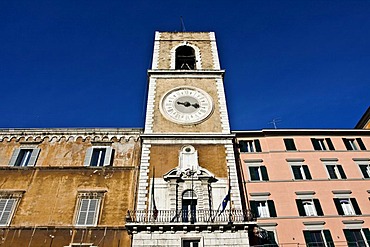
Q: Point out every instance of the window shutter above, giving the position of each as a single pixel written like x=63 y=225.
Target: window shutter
x=257 y=145
x=272 y=209
x=92 y=212
x=253 y=171
x=355 y=206
x=318 y=208
x=315 y=144
x=6 y=209
x=338 y=206
x=307 y=172
x=14 y=157
x=88 y=155
x=300 y=207
x=82 y=214
x=243 y=146
x=361 y=144
x=347 y=144
x=33 y=158
x=330 y=144
x=328 y=238
x=307 y=237
x=364 y=171
x=341 y=172
x=297 y=172
x=265 y=176
x=331 y=171
x=367 y=235
x=108 y=156
x=271 y=238
x=289 y=144
x=254 y=208
x=351 y=242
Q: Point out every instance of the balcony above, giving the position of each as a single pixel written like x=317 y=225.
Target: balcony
x=152 y=217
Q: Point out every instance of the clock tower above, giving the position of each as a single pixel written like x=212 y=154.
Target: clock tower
x=188 y=191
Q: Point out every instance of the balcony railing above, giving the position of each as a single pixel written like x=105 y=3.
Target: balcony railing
x=188 y=216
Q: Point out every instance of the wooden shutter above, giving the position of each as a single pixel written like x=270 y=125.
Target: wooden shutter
x=351 y=242
x=315 y=144
x=254 y=208
x=88 y=155
x=364 y=171
x=271 y=239
x=347 y=144
x=243 y=146
x=318 y=208
x=355 y=206
x=338 y=206
x=88 y=212
x=367 y=235
x=300 y=207
x=328 y=239
x=331 y=171
x=272 y=208
x=289 y=144
x=307 y=172
x=341 y=172
x=14 y=157
x=108 y=156
x=330 y=144
x=361 y=144
x=33 y=158
x=257 y=145
x=307 y=237
x=6 y=210
x=265 y=176
x=297 y=172
x=253 y=171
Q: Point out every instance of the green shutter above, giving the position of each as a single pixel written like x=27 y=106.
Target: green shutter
x=254 y=208
x=297 y=172
x=253 y=171
x=307 y=172
x=341 y=172
x=315 y=144
x=361 y=144
x=242 y=146
x=347 y=144
x=257 y=145
x=265 y=176
x=318 y=208
x=307 y=237
x=289 y=144
x=338 y=206
x=355 y=206
x=328 y=238
x=271 y=239
x=331 y=171
x=300 y=207
x=272 y=209
x=330 y=144
x=349 y=237
x=364 y=171
x=367 y=235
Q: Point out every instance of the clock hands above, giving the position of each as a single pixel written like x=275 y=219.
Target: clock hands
x=187 y=104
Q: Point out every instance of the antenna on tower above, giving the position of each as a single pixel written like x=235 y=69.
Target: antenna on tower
x=274 y=122
x=182 y=25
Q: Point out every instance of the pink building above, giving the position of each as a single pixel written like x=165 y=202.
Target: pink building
x=307 y=187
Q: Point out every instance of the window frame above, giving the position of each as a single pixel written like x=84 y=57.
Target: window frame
x=365 y=234
x=199 y=239
x=269 y=207
x=289 y=144
x=261 y=171
x=325 y=235
x=364 y=167
x=108 y=156
x=251 y=146
x=88 y=196
x=354 y=144
x=337 y=172
x=18 y=153
x=315 y=204
x=15 y=196
x=303 y=169
x=344 y=210
x=322 y=144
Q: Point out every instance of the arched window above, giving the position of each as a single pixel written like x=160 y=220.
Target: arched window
x=185 y=58
x=189 y=206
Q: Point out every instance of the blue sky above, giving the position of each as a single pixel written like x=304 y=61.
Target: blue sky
x=83 y=63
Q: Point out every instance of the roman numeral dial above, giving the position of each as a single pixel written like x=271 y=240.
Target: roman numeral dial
x=186 y=105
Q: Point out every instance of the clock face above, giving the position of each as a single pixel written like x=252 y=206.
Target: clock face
x=186 y=105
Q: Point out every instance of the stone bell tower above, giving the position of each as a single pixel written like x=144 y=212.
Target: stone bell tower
x=188 y=192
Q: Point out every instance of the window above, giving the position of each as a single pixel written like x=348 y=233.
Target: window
x=309 y=207
x=191 y=243
x=189 y=206
x=250 y=146
x=354 y=144
x=23 y=157
x=8 y=203
x=318 y=238
x=98 y=156
x=322 y=144
x=263 y=209
x=258 y=236
x=357 y=237
x=347 y=206
x=365 y=169
x=81 y=245
x=289 y=144
x=258 y=173
x=301 y=172
x=88 y=209
x=335 y=171
x=185 y=58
